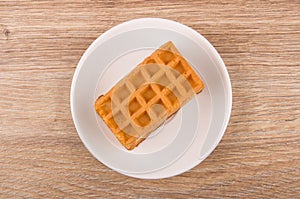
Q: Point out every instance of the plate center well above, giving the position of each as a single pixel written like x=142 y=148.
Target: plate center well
x=115 y=71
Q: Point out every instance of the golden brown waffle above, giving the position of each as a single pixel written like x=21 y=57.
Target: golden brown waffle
x=148 y=95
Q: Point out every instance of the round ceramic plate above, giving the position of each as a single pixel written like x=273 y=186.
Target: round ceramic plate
x=185 y=139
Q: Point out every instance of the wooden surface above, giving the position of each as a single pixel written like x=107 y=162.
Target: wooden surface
x=41 y=155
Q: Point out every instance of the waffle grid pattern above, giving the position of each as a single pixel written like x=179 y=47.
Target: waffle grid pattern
x=131 y=105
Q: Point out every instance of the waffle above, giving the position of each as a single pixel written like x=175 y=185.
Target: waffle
x=152 y=92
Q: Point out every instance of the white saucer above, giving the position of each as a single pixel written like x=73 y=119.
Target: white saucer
x=185 y=140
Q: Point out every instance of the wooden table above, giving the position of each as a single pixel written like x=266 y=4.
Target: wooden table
x=41 y=154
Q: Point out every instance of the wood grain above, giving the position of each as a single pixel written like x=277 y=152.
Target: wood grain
x=41 y=155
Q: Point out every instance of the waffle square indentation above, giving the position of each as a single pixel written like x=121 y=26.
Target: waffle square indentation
x=148 y=93
x=143 y=119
